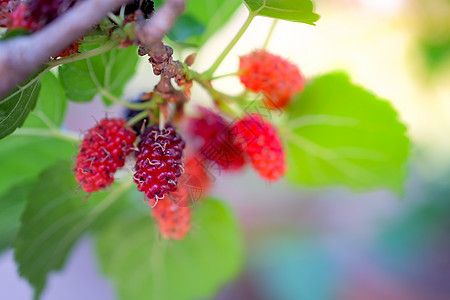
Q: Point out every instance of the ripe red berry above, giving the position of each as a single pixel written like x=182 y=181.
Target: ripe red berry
x=174 y=221
x=278 y=78
x=6 y=8
x=193 y=184
x=20 y=18
x=159 y=161
x=45 y=11
x=69 y=50
x=260 y=141
x=214 y=140
x=173 y=213
x=102 y=152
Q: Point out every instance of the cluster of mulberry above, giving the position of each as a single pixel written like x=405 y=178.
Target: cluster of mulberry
x=172 y=183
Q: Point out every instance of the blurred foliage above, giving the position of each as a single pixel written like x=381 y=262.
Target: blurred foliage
x=433 y=26
x=342 y=134
x=143 y=266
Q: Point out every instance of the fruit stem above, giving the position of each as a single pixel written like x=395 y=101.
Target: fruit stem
x=143 y=114
x=99 y=40
x=226 y=75
x=210 y=72
x=115 y=19
x=84 y=55
x=45 y=133
x=161 y=120
x=270 y=34
x=134 y=106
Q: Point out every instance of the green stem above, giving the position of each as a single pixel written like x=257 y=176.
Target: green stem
x=225 y=75
x=210 y=72
x=143 y=114
x=270 y=34
x=222 y=100
x=100 y=50
x=45 y=133
x=134 y=106
x=94 y=41
x=115 y=19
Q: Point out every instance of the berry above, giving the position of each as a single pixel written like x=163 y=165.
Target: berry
x=173 y=221
x=102 y=152
x=71 y=49
x=46 y=11
x=260 y=141
x=6 y=8
x=159 y=161
x=173 y=213
x=278 y=78
x=20 y=19
x=193 y=184
x=215 y=141
x=146 y=7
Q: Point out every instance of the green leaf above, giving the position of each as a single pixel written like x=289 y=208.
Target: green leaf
x=37 y=144
x=12 y=204
x=15 y=107
x=213 y=14
x=143 y=266
x=186 y=30
x=109 y=71
x=201 y=20
x=51 y=105
x=289 y=10
x=340 y=133
x=55 y=217
x=12 y=33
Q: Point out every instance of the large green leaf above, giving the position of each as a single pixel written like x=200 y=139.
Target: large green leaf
x=15 y=107
x=12 y=204
x=290 y=10
x=51 y=105
x=213 y=14
x=37 y=144
x=109 y=71
x=201 y=20
x=55 y=217
x=143 y=266
x=339 y=133
x=187 y=30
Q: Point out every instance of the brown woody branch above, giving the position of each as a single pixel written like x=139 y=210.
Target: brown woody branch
x=20 y=57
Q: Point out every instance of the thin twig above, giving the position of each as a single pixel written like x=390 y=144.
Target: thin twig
x=152 y=32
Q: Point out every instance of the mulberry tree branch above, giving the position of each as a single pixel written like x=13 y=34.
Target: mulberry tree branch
x=20 y=57
x=151 y=32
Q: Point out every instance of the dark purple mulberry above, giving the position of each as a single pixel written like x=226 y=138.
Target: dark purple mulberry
x=159 y=161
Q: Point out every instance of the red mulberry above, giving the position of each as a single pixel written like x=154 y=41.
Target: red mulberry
x=260 y=141
x=102 y=152
x=20 y=18
x=173 y=221
x=276 y=77
x=215 y=141
x=159 y=161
